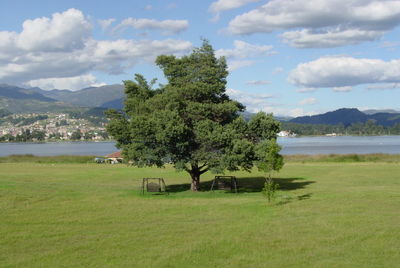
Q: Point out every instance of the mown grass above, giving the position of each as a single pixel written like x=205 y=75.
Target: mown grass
x=30 y=158
x=93 y=215
x=348 y=158
x=388 y=158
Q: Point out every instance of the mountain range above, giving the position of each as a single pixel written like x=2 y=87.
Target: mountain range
x=350 y=116
x=88 y=97
x=22 y=100
x=26 y=100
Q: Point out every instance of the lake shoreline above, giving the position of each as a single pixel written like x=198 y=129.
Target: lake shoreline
x=306 y=145
x=90 y=159
x=45 y=142
x=106 y=141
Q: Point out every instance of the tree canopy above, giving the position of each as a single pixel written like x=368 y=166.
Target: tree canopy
x=190 y=122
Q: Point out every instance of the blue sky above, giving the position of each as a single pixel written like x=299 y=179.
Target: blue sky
x=289 y=57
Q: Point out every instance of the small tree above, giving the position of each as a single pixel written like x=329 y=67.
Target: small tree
x=269 y=160
x=77 y=135
x=88 y=135
x=189 y=122
x=38 y=135
x=269 y=189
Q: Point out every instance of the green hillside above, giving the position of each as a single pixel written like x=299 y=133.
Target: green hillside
x=88 y=97
x=35 y=106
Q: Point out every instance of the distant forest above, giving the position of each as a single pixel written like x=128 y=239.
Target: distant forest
x=362 y=129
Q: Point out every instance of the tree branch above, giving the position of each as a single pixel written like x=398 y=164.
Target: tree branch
x=204 y=165
x=203 y=171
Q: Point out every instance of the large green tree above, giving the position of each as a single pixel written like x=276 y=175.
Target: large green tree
x=189 y=122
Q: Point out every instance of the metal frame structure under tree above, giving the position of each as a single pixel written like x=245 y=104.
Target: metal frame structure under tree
x=154 y=185
x=227 y=183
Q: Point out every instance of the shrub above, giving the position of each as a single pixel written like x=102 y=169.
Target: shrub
x=269 y=190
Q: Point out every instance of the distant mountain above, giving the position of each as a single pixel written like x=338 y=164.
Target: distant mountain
x=88 y=97
x=248 y=115
x=96 y=111
x=18 y=93
x=373 y=111
x=114 y=104
x=283 y=118
x=4 y=112
x=20 y=100
x=385 y=119
x=347 y=117
x=35 y=106
x=342 y=116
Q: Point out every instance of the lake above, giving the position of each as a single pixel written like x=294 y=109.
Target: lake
x=341 y=145
x=58 y=148
x=298 y=145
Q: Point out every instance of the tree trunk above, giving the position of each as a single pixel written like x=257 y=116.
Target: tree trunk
x=195 y=185
x=195 y=173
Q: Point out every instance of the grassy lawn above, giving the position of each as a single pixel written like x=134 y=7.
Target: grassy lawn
x=327 y=214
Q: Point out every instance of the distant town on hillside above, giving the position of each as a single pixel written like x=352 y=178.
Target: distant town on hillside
x=51 y=127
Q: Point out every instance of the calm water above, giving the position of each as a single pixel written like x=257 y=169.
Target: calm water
x=341 y=145
x=302 y=145
x=58 y=148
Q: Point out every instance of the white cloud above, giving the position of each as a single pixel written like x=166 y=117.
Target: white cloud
x=344 y=72
x=63 y=47
x=223 y=5
x=105 y=24
x=115 y=56
x=172 y=6
x=384 y=86
x=258 y=82
x=278 y=70
x=8 y=46
x=322 y=23
x=308 y=101
x=253 y=102
x=297 y=112
x=389 y=44
x=237 y=64
x=72 y=83
x=330 y=38
x=262 y=102
x=112 y=57
x=167 y=26
x=306 y=90
x=243 y=52
x=148 y=7
x=342 y=89
x=287 y=111
x=63 y=32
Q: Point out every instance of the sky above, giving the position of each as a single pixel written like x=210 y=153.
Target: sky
x=288 y=57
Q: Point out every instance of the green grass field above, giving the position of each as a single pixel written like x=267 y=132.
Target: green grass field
x=326 y=214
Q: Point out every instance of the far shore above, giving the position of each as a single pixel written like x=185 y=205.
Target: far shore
x=108 y=141
x=339 y=158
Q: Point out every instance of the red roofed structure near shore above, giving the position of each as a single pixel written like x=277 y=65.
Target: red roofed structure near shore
x=115 y=155
x=114 y=158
